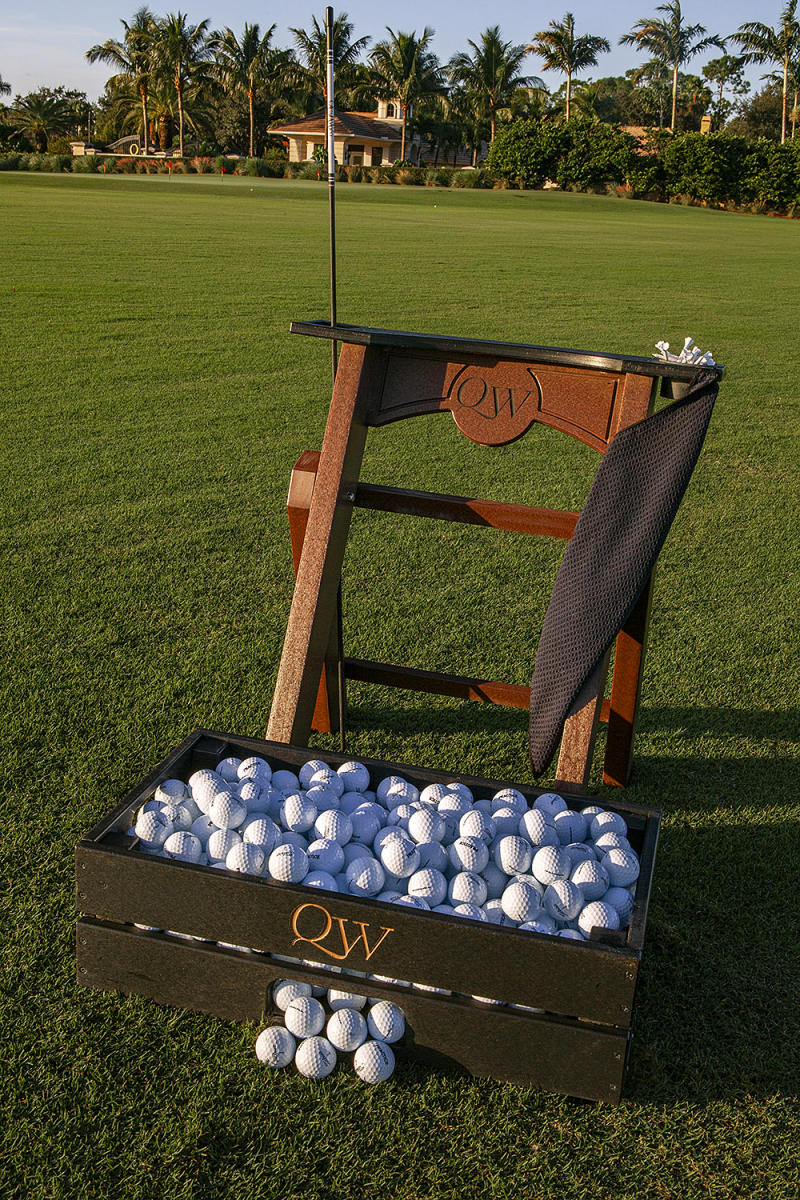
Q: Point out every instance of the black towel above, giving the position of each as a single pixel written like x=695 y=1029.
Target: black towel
x=628 y=513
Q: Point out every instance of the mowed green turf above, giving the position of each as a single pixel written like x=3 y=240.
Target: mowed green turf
x=153 y=405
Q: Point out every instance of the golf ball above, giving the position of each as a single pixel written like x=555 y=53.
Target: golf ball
x=374 y=1062
x=346 y=1029
x=304 y=1016
x=315 y=1058
x=275 y=1046
x=386 y=1021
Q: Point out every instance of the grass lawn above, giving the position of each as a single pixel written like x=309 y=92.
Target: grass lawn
x=153 y=406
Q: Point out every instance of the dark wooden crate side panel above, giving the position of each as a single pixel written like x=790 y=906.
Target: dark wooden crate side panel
x=561 y=1056
x=590 y=981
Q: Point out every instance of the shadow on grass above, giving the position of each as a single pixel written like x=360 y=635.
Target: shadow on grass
x=717 y=1012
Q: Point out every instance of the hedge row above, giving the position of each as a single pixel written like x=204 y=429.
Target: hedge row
x=712 y=169
x=700 y=168
x=396 y=173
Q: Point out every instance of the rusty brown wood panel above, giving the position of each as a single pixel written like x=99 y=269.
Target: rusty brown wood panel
x=358 y=379
x=626 y=689
x=462 y=687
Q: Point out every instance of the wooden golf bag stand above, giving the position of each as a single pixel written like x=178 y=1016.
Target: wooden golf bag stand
x=494 y=391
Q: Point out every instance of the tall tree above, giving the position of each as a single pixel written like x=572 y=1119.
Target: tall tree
x=5 y=88
x=408 y=71
x=670 y=42
x=491 y=73
x=726 y=72
x=133 y=57
x=244 y=65
x=761 y=44
x=40 y=115
x=312 y=48
x=182 y=52
x=563 y=51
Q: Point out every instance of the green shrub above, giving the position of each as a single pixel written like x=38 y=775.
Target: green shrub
x=224 y=165
x=646 y=176
x=88 y=164
x=125 y=166
x=706 y=167
x=471 y=177
x=409 y=176
x=311 y=170
x=355 y=174
x=591 y=155
x=49 y=162
x=383 y=174
x=13 y=162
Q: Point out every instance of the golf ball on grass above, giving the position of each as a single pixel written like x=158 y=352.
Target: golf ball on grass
x=315 y=1058
x=275 y=1047
x=386 y=1022
x=374 y=1062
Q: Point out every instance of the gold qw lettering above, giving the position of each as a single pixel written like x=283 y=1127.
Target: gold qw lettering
x=312 y=923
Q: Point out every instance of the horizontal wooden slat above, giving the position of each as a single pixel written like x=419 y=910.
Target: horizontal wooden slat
x=461 y=687
x=558 y=1055
x=515 y=518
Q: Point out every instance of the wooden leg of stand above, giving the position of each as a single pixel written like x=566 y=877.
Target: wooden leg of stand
x=301 y=489
x=625 y=690
x=577 y=742
x=359 y=380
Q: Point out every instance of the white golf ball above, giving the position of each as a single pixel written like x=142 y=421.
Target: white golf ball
x=399 y=856
x=365 y=876
x=496 y=881
x=551 y=863
x=509 y=798
x=538 y=828
x=541 y=924
x=220 y=844
x=432 y=854
x=251 y=793
x=261 y=831
x=308 y=769
x=386 y=1021
x=472 y=912
x=428 y=884
x=284 y=991
x=550 y=803
x=304 y=1016
x=365 y=825
x=597 y=915
x=203 y=828
x=493 y=911
x=521 y=902
x=275 y=1047
x=468 y=854
x=326 y=777
x=247 y=859
x=467 y=888
x=622 y=867
x=338 y=999
x=315 y=1058
x=476 y=824
x=298 y=813
x=285 y=781
x=346 y=1029
x=184 y=847
x=433 y=793
x=620 y=899
x=226 y=810
x=374 y=1062
x=610 y=841
x=254 y=768
x=325 y=855
x=152 y=828
x=570 y=826
x=606 y=822
x=321 y=879
x=171 y=791
x=228 y=768
x=512 y=854
x=592 y=878
x=288 y=863
x=334 y=825
x=426 y=825
x=324 y=797
x=563 y=900
x=506 y=821
x=412 y=902
x=461 y=790
x=354 y=776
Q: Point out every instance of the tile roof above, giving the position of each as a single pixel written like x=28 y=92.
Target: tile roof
x=352 y=124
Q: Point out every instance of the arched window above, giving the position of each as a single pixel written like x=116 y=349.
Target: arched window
x=390 y=111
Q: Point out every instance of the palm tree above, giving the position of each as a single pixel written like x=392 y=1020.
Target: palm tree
x=40 y=116
x=491 y=73
x=563 y=51
x=762 y=44
x=5 y=88
x=313 y=48
x=133 y=56
x=408 y=71
x=182 y=52
x=243 y=65
x=670 y=42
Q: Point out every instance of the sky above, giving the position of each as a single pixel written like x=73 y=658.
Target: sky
x=44 y=43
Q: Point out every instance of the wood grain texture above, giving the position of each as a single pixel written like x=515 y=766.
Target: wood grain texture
x=462 y=687
x=552 y=1054
x=626 y=687
x=358 y=379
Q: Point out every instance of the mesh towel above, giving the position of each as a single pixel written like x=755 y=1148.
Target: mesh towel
x=628 y=513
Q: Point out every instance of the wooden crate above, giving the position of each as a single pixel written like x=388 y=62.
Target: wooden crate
x=577 y=1045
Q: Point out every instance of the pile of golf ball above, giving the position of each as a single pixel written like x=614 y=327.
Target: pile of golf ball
x=311 y=1037
x=546 y=869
